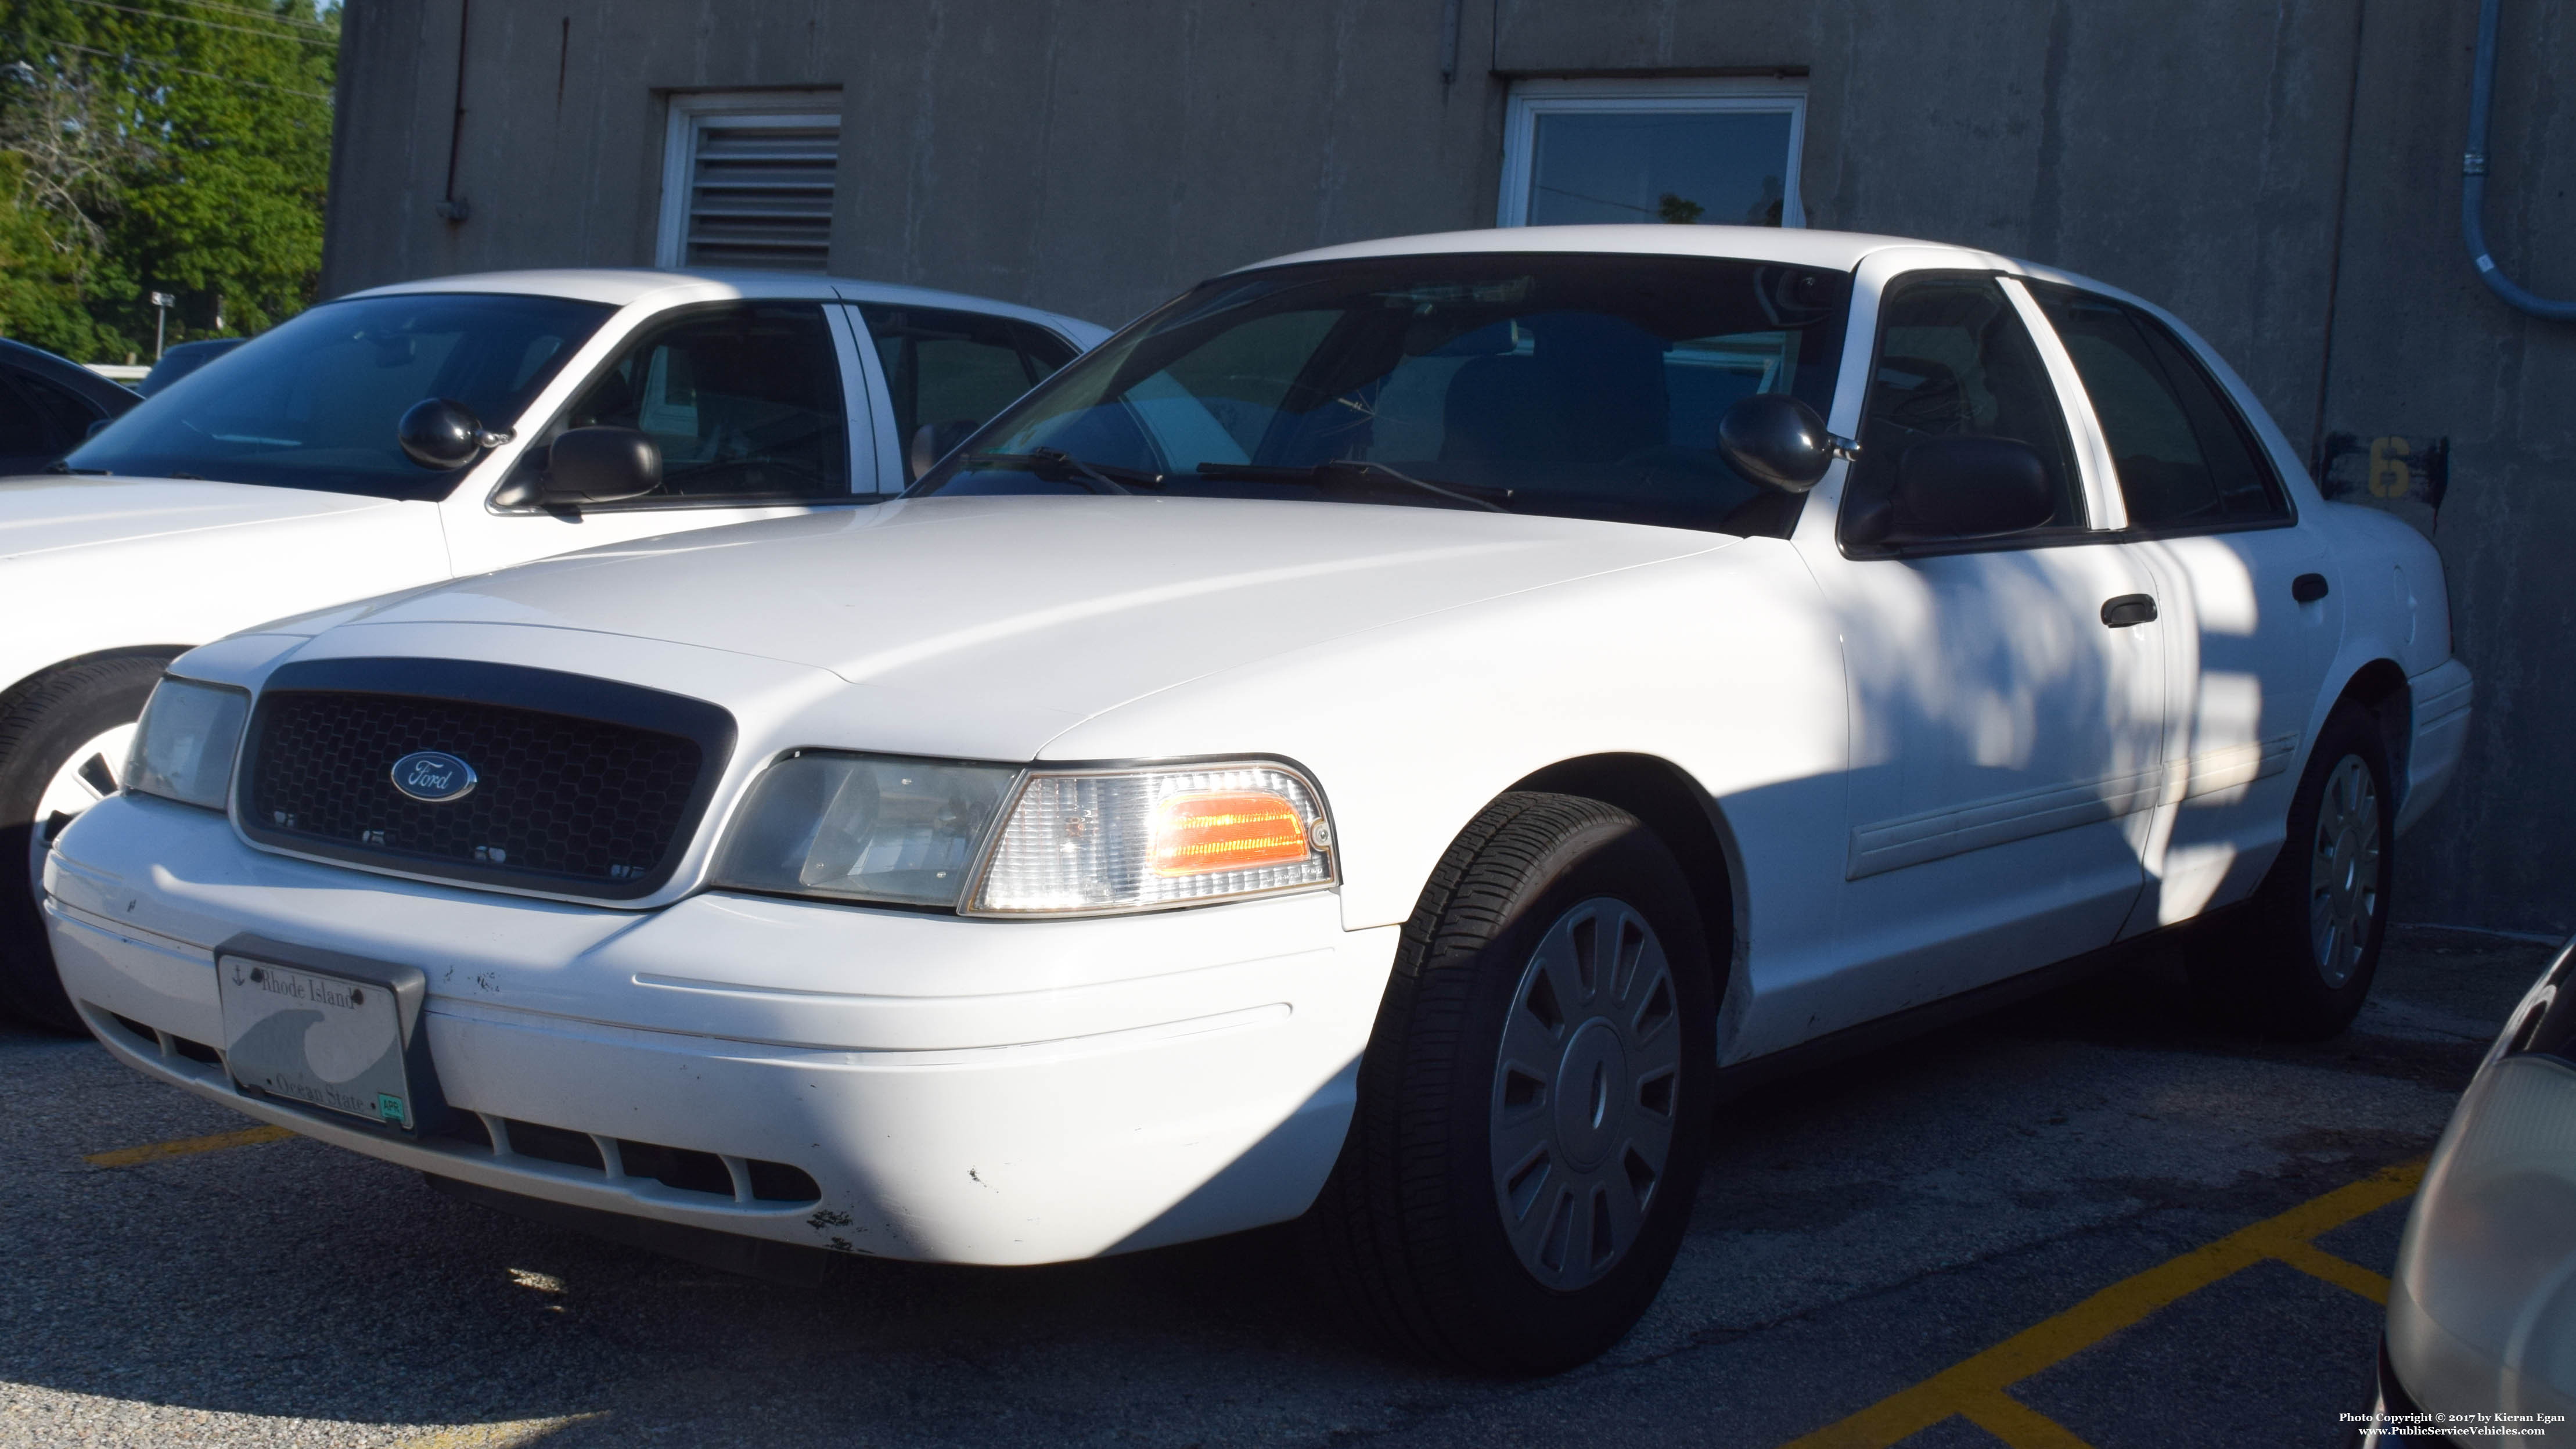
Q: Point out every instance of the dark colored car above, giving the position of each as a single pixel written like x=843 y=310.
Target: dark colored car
x=48 y=405
x=183 y=359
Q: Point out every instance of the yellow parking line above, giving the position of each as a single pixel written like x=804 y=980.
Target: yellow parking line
x=2017 y=1424
x=507 y=1434
x=154 y=1152
x=2317 y=1263
x=1974 y=1387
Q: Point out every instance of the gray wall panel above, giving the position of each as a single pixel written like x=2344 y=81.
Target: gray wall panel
x=1096 y=155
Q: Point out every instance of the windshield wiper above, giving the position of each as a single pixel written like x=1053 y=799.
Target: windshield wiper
x=1058 y=466
x=1354 y=467
x=59 y=466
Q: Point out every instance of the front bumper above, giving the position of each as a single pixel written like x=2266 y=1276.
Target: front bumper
x=963 y=1091
x=2395 y=1419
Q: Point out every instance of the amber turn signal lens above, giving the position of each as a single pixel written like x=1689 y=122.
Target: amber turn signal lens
x=1226 y=830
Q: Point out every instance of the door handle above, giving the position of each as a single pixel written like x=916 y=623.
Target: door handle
x=2128 y=609
x=2308 y=588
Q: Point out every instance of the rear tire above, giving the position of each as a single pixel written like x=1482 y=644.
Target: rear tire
x=1534 y=1103
x=61 y=739
x=2297 y=961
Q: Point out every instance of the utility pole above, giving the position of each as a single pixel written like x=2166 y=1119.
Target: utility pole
x=161 y=302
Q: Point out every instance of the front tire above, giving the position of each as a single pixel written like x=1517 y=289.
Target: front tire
x=62 y=749
x=2297 y=963
x=1534 y=1104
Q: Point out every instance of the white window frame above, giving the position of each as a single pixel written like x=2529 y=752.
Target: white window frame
x=1531 y=99
x=680 y=147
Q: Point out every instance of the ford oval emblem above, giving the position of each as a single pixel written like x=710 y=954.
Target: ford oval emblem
x=433 y=777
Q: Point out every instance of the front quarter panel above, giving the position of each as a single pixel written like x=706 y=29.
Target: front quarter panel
x=1724 y=664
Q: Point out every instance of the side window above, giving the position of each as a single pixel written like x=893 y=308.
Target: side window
x=67 y=415
x=744 y=402
x=22 y=428
x=952 y=371
x=1954 y=360
x=2186 y=459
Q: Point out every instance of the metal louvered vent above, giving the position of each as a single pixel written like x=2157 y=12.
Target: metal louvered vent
x=760 y=191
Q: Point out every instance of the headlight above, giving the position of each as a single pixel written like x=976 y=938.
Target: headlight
x=865 y=828
x=184 y=748
x=1120 y=840
x=1075 y=842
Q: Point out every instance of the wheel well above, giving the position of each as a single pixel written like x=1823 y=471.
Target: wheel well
x=2381 y=688
x=1673 y=806
x=10 y=696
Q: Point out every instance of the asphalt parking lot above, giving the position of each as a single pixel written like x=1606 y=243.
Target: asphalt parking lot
x=2088 y=1220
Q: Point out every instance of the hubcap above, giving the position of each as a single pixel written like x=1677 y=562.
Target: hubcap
x=1584 y=1093
x=2343 y=871
x=90 y=775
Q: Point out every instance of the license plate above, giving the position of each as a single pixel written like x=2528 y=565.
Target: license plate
x=317 y=1038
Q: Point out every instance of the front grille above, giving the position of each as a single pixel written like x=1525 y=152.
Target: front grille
x=568 y=795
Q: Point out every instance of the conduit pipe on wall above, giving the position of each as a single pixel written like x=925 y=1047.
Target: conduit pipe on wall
x=2473 y=181
x=451 y=207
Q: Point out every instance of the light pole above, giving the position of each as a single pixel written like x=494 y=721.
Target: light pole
x=161 y=302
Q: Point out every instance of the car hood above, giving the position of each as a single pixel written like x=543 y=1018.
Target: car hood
x=1069 y=605
x=52 y=512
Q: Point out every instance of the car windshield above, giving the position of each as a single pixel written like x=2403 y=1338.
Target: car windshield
x=1582 y=386
x=313 y=402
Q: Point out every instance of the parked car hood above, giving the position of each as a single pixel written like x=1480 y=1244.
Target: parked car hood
x=1068 y=605
x=54 y=512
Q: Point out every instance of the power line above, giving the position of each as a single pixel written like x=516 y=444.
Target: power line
x=260 y=14
x=207 y=24
x=48 y=40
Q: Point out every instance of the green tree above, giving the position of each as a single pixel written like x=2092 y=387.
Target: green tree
x=177 y=146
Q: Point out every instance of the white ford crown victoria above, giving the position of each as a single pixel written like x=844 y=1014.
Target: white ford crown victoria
x=1373 y=740
x=301 y=470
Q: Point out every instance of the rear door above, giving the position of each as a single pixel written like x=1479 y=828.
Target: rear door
x=944 y=372
x=2252 y=634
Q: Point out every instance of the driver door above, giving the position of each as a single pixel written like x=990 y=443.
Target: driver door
x=2005 y=732
x=760 y=409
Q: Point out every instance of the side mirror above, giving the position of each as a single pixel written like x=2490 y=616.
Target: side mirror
x=1778 y=442
x=601 y=465
x=1955 y=489
x=440 y=434
x=934 y=441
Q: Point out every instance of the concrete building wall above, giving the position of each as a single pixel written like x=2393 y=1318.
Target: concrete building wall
x=2285 y=176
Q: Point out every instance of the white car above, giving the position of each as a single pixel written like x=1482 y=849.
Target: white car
x=274 y=481
x=2481 y=1333
x=1376 y=738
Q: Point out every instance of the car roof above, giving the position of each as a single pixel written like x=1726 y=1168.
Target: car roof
x=625 y=287
x=1793 y=246
x=105 y=392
